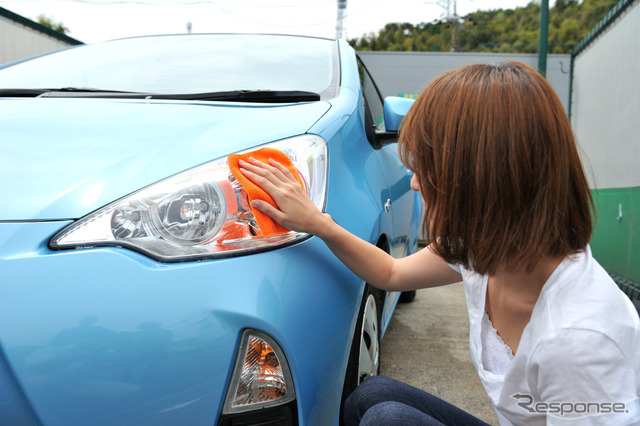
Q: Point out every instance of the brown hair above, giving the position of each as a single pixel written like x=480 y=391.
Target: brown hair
x=498 y=168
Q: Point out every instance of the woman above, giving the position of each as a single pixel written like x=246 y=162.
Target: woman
x=507 y=211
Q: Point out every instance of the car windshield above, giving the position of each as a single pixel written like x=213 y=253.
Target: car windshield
x=186 y=64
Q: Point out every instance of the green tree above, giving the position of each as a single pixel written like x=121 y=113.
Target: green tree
x=50 y=23
x=502 y=30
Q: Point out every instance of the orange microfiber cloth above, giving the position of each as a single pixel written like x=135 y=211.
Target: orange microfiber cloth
x=267 y=225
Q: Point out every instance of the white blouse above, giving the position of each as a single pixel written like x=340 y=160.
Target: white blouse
x=578 y=360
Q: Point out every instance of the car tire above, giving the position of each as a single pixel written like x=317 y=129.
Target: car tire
x=364 y=358
x=407 y=296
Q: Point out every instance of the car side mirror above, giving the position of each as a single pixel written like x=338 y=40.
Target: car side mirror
x=395 y=109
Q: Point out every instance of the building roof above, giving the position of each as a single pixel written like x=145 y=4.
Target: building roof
x=38 y=27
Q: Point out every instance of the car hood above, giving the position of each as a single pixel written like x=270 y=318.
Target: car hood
x=63 y=158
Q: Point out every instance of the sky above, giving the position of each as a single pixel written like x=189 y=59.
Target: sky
x=92 y=21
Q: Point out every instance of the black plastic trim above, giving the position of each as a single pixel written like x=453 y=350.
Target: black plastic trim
x=283 y=415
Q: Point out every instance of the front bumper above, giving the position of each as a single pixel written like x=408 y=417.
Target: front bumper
x=108 y=336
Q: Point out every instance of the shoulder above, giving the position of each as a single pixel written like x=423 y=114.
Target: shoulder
x=585 y=351
x=475 y=289
x=581 y=296
x=583 y=341
x=582 y=328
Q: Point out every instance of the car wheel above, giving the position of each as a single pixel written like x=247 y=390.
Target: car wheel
x=369 y=360
x=364 y=358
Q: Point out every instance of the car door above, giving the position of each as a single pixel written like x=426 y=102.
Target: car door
x=401 y=205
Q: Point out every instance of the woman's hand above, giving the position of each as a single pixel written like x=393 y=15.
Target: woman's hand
x=295 y=210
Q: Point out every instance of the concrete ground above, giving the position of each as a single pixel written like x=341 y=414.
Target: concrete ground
x=427 y=346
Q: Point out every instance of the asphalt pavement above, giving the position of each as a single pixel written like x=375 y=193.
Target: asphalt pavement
x=427 y=346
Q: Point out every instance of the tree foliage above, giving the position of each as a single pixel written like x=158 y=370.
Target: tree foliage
x=50 y=23
x=500 y=30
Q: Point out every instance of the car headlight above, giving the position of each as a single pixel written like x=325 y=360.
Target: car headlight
x=201 y=213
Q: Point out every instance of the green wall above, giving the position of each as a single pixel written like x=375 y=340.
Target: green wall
x=616 y=241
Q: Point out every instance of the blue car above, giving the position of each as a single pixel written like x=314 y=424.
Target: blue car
x=136 y=286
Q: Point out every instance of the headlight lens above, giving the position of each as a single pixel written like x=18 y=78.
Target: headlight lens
x=200 y=213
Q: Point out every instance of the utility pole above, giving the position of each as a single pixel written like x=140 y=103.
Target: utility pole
x=340 y=26
x=454 y=26
x=451 y=17
x=543 y=37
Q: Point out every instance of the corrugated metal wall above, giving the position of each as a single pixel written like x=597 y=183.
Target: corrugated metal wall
x=410 y=72
x=605 y=115
x=21 y=38
x=605 y=104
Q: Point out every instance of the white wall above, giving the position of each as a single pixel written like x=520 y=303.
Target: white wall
x=410 y=72
x=605 y=103
x=19 y=41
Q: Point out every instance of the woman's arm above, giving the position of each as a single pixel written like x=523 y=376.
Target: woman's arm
x=295 y=211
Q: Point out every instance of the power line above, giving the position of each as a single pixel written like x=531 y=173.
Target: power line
x=184 y=2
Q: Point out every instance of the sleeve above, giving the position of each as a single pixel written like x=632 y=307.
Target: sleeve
x=455 y=267
x=584 y=378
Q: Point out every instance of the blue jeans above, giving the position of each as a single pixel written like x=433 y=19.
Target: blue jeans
x=380 y=400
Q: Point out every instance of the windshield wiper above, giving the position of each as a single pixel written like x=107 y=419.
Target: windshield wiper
x=275 y=96
x=64 y=92
x=260 y=96
x=21 y=93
